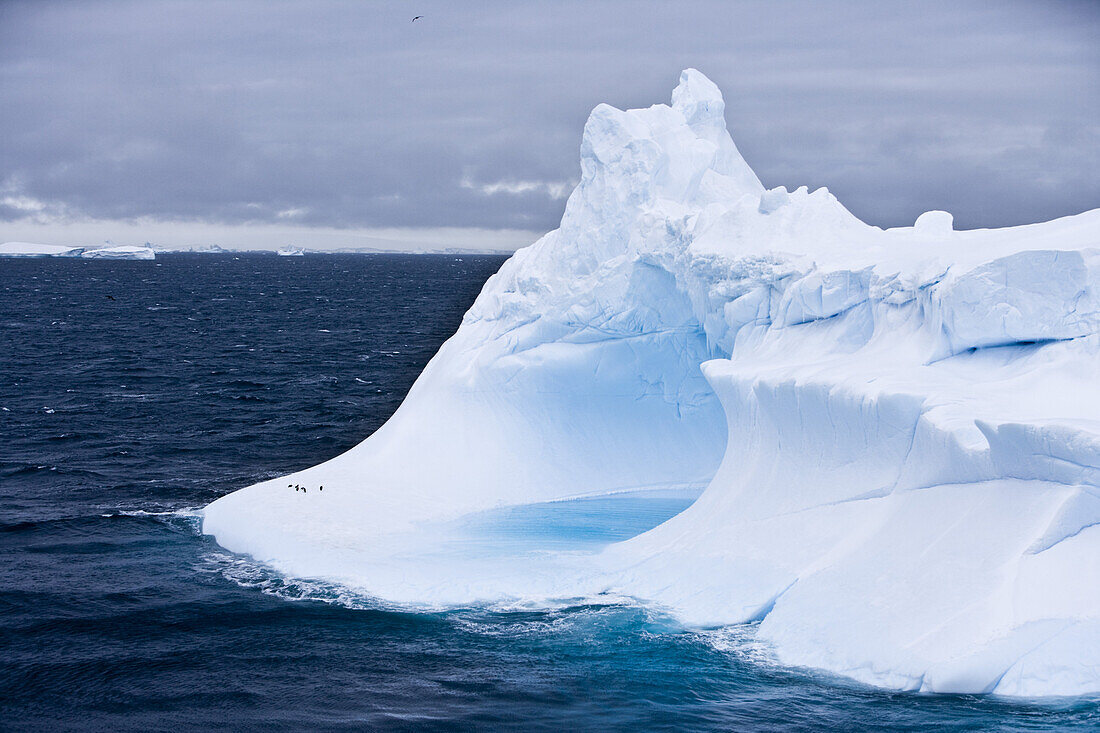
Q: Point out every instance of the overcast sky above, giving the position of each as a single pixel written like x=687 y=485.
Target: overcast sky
x=213 y=122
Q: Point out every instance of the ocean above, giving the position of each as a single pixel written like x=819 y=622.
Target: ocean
x=134 y=393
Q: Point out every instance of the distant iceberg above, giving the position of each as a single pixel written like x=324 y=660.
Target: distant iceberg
x=120 y=253
x=291 y=252
x=29 y=249
x=898 y=431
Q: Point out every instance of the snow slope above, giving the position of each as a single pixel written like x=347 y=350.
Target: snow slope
x=898 y=431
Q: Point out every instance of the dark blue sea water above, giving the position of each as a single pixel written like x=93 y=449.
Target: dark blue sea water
x=133 y=392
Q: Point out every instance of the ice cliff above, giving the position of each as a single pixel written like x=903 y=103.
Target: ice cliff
x=898 y=431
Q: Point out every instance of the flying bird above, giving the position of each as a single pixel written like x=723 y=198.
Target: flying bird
x=417 y=18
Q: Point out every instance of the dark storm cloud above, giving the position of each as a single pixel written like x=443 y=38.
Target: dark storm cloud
x=348 y=114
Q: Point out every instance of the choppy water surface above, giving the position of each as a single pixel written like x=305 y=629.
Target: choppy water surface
x=201 y=374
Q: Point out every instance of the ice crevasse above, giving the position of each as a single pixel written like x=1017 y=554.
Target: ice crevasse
x=898 y=431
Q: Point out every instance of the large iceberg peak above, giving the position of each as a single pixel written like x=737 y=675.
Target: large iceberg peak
x=699 y=100
x=645 y=170
x=690 y=137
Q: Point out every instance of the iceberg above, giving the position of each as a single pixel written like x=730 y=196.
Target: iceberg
x=895 y=433
x=30 y=249
x=114 y=252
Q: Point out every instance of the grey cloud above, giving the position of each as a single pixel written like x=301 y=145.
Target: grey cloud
x=347 y=114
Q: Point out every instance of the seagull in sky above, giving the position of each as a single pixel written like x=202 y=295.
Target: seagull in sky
x=417 y=18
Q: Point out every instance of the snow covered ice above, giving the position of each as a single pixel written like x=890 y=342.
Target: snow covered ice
x=896 y=433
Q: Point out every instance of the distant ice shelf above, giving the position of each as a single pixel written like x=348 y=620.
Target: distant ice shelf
x=896 y=433
x=113 y=252
x=30 y=249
